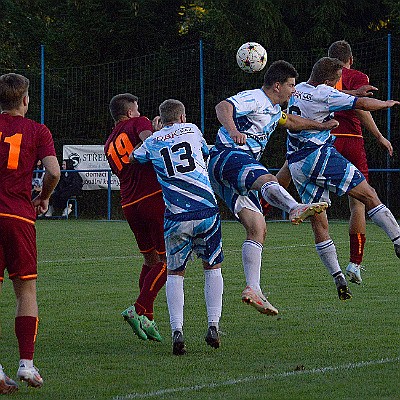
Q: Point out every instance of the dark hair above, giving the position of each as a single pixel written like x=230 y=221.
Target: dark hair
x=326 y=68
x=13 y=87
x=171 y=111
x=120 y=103
x=69 y=164
x=340 y=50
x=279 y=71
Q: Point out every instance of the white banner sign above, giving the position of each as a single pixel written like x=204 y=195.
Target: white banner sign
x=91 y=157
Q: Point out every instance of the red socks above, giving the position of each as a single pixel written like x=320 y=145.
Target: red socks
x=357 y=241
x=152 y=283
x=145 y=270
x=26 y=331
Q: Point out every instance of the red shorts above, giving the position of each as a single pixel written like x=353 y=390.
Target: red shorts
x=353 y=149
x=146 y=220
x=18 y=252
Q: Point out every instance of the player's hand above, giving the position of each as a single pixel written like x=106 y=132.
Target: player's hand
x=156 y=122
x=331 y=124
x=41 y=205
x=238 y=137
x=365 y=91
x=391 y=103
x=386 y=144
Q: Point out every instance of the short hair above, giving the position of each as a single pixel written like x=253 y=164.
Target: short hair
x=171 y=111
x=279 y=71
x=340 y=50
x=13 y=88
x=120 y=104
x=326 y=68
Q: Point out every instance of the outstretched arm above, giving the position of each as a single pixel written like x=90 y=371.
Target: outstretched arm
x=368 y=104
x=296 y=123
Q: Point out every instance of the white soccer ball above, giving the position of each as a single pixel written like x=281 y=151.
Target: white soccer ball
x=251 y=57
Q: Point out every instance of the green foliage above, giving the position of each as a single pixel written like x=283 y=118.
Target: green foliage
x=317 y=348
x=91 y=32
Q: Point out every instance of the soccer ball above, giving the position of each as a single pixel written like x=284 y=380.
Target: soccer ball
x=251 y=57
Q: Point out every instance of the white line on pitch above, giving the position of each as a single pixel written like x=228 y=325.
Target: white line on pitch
x=248 y=379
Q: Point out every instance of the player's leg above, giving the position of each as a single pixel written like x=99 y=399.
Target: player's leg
x=278 y=196
x=7 y=385
x=19 y=248
x=352 y=148
x=26 y=324
x=178 y=244
x=207 y=244
x=357 y=231
x=146 y=221
x=213 y=290
x=254 y=223
x=326 y=251
x=378 y=212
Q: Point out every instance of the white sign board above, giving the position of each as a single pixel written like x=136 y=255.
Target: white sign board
x=91 y=157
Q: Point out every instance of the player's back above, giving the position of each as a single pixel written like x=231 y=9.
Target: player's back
x=176 y=152
x=22 y=142
x=317 y=103
x=349 y=124
x=136 y=181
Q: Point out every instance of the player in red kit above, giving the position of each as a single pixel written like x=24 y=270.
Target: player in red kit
x=350 y=143
x=143 y=207
x=22 y=143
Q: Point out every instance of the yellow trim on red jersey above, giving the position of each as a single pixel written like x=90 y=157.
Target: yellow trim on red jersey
x=339 y=84
x=142 y=198
x=17 y=217
x=346 y=135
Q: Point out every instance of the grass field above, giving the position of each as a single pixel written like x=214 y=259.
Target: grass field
x=317 y=348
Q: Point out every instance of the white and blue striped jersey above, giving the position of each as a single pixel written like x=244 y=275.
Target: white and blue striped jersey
x=177 y=152
x=317 y=103
x=255 y=116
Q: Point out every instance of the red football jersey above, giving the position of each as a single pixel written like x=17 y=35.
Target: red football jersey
x=137 y=181
x=22 y=143
x=349 y=124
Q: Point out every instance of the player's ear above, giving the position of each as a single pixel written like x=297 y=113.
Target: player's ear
x=276 y=86
x=25 y=100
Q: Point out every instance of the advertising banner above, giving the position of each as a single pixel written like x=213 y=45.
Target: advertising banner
x=93 y=163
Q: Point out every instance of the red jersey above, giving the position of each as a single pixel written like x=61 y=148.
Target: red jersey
x=22 y=143
x=137 y=181
x=349 y=124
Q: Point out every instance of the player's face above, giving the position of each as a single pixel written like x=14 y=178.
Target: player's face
x=286 y=90
x=134 y=110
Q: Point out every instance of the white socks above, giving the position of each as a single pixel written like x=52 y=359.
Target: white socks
x=213 y=289
x=251 y=258
x=327 y=253
x=384 y=218
x=278 y=196
x=175 y=301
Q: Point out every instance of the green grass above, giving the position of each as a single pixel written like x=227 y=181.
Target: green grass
x=317 y=348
